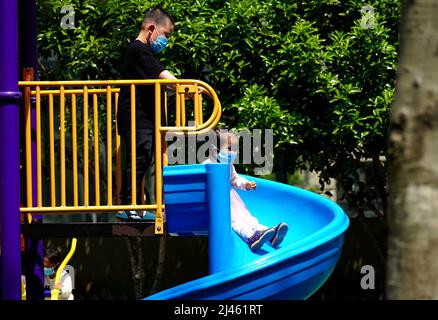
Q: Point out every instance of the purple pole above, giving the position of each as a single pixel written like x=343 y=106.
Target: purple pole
x=9 y=152
x=28 y=63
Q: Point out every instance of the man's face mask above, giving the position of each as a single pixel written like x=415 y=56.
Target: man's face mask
x=160 y=44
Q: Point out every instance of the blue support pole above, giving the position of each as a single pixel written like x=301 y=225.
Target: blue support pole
x=29 y=65
x=9 y=152
x=218 y=197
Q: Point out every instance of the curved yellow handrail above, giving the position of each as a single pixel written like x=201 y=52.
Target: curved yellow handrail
x=55 y=292
x=204 y=128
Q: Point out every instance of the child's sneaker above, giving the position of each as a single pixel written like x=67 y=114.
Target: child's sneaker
x=280 y=232
x=259 y=238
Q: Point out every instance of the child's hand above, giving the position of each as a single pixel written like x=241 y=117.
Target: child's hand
x=58 y=286
x=250 y=185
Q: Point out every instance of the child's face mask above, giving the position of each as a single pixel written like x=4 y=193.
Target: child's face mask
x=49 y=272
x=226 y=157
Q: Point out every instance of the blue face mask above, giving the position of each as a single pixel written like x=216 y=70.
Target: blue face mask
x=159 y=45
x=49 y=272
x=226 y=157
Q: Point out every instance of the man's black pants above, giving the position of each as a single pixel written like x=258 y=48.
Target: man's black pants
x=144 y=151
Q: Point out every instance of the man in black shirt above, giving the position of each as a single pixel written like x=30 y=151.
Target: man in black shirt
x=140 y=62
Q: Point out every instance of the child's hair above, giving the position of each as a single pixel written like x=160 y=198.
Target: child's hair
x=158 y=15
x=225 y=136
x=53 y=255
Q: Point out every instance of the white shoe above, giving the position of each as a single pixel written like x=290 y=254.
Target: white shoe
x=129 y=215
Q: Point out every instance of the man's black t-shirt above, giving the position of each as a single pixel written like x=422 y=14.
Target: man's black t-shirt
x=139 y=62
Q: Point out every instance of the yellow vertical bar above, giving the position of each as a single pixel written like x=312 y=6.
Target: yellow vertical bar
x=165 y=108
x=38 y=138
x=178 y=106
x=28 y=147
x=52 y=153
x=183 y=109
x=164 y=148
x=142 y=191
x=86 y=176
x=158 y=167
x=118 y=155
x=133 y=150
x=196 y=106
x=201 y=117
x=74 y=151
x=109 y=146
x=164 y=143
x=28 y=75
x=62 y=144
x=96 y=151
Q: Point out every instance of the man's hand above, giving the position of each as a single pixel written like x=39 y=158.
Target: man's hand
x=201 y=90
x=172 y=87
x=250 y=185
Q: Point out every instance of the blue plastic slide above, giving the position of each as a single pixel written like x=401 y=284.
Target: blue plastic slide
x=198 y=202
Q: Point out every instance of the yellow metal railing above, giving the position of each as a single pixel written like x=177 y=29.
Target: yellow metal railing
x=54 y=294
x=73 y=91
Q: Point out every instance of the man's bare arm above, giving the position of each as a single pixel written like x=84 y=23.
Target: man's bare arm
x=167 y=75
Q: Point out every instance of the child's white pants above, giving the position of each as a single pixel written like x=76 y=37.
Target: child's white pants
x=242 y=222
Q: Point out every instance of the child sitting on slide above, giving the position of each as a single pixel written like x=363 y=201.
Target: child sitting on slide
x=243 y=223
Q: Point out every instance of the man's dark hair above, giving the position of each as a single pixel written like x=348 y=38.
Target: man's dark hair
x=157 y=15
x=53 y=255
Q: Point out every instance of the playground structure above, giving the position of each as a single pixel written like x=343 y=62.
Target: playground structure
x=75 y=90
x=294 y=271
x=67 y=93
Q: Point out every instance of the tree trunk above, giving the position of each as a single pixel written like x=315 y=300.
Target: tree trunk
x=281 y=171
x=412 y=270
x=160 y=265
x=135 y=249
